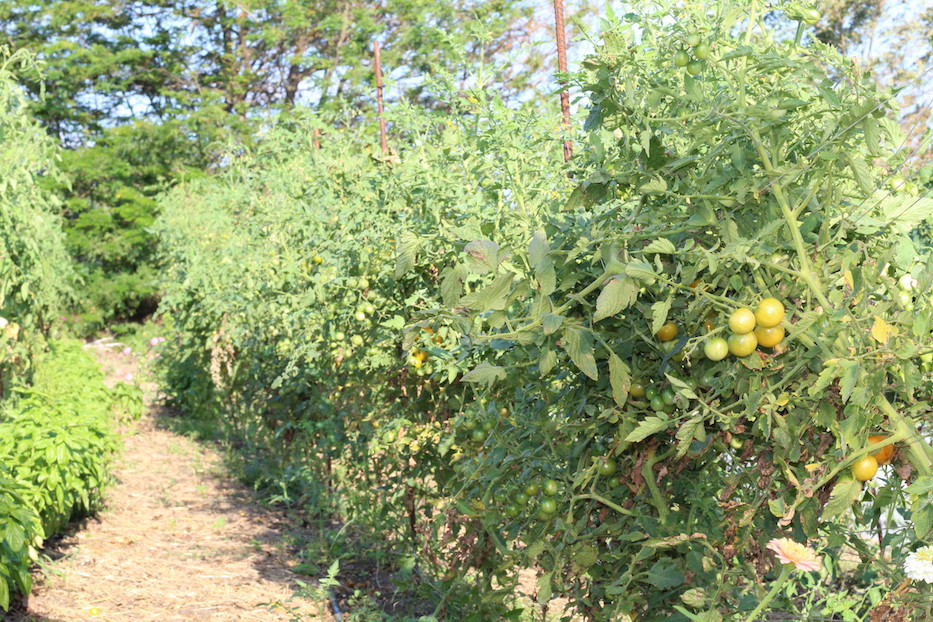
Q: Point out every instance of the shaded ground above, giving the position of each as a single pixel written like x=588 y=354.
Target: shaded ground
x=178 y=540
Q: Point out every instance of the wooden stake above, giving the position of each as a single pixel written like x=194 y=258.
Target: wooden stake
x=562 y=67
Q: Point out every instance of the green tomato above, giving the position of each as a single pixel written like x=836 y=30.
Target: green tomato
x=651 y=392
x=521 y=499
x=550 y=487
x=532 y=489
x=362 y=283
x=695 y=67
x=716 y=349
x=736 y=443
x=669 y=396
x=811 y=17
x=356 y=340
x=478 y=436
x=658 y=404
x=692 y=40
x=708 y=378
x=701 y=51
x=547 y=505
x=605 y=466
x=681 y=58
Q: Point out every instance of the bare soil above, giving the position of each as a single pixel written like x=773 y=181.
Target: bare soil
x=177 y=540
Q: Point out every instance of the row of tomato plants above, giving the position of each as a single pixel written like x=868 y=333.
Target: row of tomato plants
x=55 y=411
x=628 y=372
x=36 y=273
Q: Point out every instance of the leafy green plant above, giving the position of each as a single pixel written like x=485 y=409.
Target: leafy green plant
x=54 y=464
x=36 y=275
x=628 y=373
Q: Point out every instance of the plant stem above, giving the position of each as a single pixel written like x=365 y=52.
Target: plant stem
x=785 y=573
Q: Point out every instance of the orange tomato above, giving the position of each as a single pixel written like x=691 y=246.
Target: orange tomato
x=883 y=455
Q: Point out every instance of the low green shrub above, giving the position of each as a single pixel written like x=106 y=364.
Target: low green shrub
x=58 y=438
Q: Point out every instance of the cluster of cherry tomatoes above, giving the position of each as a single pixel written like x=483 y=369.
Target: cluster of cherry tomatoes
x=700 y=50
x=750 y=329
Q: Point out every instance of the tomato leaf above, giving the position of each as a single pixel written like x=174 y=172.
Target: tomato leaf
x=904 y=212
x=617 y=294
x=408 y=246
x=619 y=379
x=923 y=521
x=847 y=378
x=538 y=248
x=546 y=277
x=664 y=574
x=491 y=297
x=661 y=245
x=659 y=311
x=685 y=434
x=483 y=256
x=551 y=322
x=843 y=495
x=485 y=373
x=579 y=345
x=641 y=270
x=452 y=285
x=880 y=331
x=544 y=588
x=651 y=425
x=547 y=362
x=862 y=174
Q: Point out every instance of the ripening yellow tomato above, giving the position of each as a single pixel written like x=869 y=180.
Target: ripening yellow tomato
x=770 y=312
x=667 y=332
x=769 y=337
x=865 y=468
x=742 y=321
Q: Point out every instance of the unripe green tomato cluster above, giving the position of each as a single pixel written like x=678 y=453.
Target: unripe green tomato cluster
x=701 y=51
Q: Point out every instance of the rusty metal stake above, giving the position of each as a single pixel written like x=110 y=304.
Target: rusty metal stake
x=562 y=67
x=382 y=121
x=316 y=135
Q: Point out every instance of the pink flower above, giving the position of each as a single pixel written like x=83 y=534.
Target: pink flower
x=128 y=377
x=790 y=552
x=161 y=339
x=154 y=341
x=127 y=350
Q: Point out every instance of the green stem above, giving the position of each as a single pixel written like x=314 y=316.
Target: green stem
x=806 y=272
x=785 y=573
x=799 y=35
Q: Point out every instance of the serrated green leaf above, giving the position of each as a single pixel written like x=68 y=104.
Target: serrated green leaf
x=843 y=495
x=661 y=245
x=617 y=294
x=579 y=345
x=641 y=270
x=848 y=377
x=483 y=256
x=538 y=248
x=547 y=362
x=619 y=379
x=862 y=174
x=406 y=253
x=544 y=587
x=651 y=425
x=485 y=373
x=551 y=322
x=452 y=285
x=659 y=311
x=685 y=434
x=491 y=297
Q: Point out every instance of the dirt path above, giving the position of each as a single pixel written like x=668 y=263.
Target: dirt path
x=178 y=540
